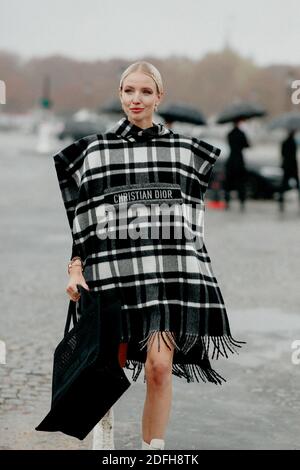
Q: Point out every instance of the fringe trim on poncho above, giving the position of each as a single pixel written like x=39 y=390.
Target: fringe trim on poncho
x=210 y=346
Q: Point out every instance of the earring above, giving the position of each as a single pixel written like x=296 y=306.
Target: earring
x=155 y=107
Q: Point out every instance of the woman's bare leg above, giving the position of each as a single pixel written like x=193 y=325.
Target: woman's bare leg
x=158 y=369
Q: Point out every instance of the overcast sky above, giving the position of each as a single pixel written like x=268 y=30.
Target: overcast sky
x=266 y=30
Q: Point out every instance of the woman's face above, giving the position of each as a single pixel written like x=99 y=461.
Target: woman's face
x=139 y=97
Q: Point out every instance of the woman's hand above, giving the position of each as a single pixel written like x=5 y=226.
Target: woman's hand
x=76 y=277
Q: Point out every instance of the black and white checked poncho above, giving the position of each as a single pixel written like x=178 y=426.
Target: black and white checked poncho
x=135 y=204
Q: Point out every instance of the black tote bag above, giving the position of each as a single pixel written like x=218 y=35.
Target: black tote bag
x=87 y=377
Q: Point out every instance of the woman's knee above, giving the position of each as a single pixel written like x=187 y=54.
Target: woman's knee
x=158 y=366
x=158 y=372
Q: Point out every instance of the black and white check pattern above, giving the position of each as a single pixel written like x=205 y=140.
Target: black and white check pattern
x=166 y=284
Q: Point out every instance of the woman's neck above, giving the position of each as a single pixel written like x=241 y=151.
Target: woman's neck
x=143 y=124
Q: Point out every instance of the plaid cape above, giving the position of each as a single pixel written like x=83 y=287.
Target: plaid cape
x=135 y=205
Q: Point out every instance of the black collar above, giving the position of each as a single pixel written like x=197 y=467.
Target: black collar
x=129 y=131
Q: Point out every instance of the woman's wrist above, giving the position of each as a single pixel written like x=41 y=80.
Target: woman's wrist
x=75 y=274
x=75 y=270
x=75 y=265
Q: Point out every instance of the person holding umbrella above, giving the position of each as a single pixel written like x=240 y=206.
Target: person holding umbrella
x=289 y=166
x=291 y=123
x=235 y=169
x=173 y=314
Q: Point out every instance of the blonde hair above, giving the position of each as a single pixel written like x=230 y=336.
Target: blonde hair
x=147 y=69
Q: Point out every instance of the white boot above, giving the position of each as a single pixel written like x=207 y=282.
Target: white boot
x=103 y=433
x=145 y=445
x=155 y=444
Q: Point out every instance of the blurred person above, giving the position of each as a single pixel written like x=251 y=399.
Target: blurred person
x=235 y=169
x=173 y=310
x=289 y=166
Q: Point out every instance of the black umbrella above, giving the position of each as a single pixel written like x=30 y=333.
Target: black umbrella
x=289 y=121
x=182 y=113
x=240 y=111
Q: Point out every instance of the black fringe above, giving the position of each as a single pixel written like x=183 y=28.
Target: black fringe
x=136 y=367
x=210 y=346
x=190 y=372
x=220 y=343
x=148 y=341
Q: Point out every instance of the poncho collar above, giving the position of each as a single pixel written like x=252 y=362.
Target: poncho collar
x=129 y=131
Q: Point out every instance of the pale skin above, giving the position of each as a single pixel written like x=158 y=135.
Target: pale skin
x=139 y=90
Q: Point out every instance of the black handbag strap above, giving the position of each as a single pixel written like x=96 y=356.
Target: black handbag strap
x=71 y=316
x=74 y=310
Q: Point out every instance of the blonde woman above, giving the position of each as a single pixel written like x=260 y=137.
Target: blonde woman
x=116 y=187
